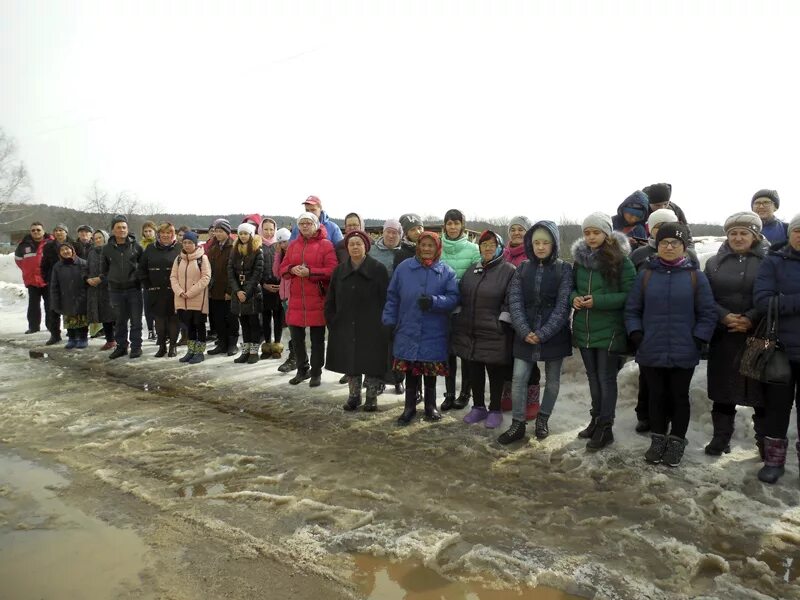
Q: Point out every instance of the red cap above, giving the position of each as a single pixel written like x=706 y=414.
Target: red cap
x=312 y=200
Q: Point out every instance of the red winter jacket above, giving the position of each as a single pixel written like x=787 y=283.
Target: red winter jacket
x=307 y=294
x=28 y=257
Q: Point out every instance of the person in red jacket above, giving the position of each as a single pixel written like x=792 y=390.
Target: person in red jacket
x=28 y=257
x=309 y=262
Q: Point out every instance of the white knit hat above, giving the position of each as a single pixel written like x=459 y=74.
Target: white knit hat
x=282 y=235
x=599 y=221
x=247 y=228
x=311 y=217
x=661 y=216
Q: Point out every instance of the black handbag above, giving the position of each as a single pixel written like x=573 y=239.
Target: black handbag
x=764 y=358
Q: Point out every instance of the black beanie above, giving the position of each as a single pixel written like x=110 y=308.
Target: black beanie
x=658 y=193
x=454 y=215
x=119 y=219
x=409 y=221
x=678 y=231
x=771 y=194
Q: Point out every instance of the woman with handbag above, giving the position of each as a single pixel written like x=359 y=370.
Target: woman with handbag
x=732 y=273
x=778 y=281
x=670 y=313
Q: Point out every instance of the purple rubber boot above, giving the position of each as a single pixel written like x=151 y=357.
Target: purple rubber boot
x=476 y=415
x=494 y=420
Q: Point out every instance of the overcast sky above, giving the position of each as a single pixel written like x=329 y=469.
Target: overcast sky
x=547 y=109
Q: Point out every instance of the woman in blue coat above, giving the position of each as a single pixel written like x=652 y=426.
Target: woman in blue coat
x=422 y=294
x=669 y=315
x=779 y=276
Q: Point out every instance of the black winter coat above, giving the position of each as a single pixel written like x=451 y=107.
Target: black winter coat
x=357 y=341
x=68 y=287
x=478 y=332
x=98 y=304
x=50 y=257
x=406 y=250
x=121 y=264
x=244 y=274
x=154 y=269
x=271 y=299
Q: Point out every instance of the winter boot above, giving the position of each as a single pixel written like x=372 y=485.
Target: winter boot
x=302 y=374
x=233 y=345
x=199 y=353
x=461 y=401
x=252 y=358
x=189 y=352
x=71 y=343
x=723 y=430
x=162 y=350
x=290 y=364
x=354 y=399
x=242 y=358
x=315 y=380
x=449 y=402
x=219 y=348
x=589 y=431
x=54 y=339
x=173 y=351
x=476 y=415
x=512 y=434
x=410 y=410
x=118 y=352
x=399 y=388
x=602 y=436
x=505 y=397
x=371 y=405
x=82 y=343
x=674 y=451
x=775 y=451
x=277 y=350
x=135 y=353
x=494 y=419
x=655 y=453
x=542 y=430
x=431 y=414
x=344 y=379
x=266 y=350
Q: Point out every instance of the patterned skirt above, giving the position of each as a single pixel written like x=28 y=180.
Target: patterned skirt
x=76 y=321
x=426 y=369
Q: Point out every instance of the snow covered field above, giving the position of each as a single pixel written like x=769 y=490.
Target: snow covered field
x=273 y=471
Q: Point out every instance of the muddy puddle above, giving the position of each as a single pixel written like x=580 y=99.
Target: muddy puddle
x=49 y=550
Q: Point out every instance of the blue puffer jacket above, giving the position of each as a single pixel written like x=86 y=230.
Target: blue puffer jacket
x=538 y=301
x=776 y=231
x=421 y=335
x=670 y=314
x=779 y=275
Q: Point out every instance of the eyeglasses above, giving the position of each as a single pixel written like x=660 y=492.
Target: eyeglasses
x=762 y=203
x=669 y=243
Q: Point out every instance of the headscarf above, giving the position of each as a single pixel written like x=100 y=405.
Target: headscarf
x=427 y=262
x=268 y=241
x=491 y=235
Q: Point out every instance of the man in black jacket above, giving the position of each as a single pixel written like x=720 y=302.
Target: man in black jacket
x=659 y=195
x=119 y=268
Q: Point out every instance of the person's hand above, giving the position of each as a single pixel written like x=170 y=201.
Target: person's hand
x=588 y=302
x=241 y=296
x=745 y=324
x=425 y=302
x=183 y=295
x=227 y=297
x=532 y=338
x=577 y=304
x=93 y=281
x=300 y=271
x=730 y=320
x=272 y=287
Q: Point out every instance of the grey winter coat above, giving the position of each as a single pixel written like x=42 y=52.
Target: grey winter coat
x=98 y=304
x=384 y=255
x=68 y=287
x=482 y=328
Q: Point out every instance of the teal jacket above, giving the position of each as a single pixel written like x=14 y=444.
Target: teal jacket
x=459 y=254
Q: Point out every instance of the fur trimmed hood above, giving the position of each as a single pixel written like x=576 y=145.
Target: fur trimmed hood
x=582 y=254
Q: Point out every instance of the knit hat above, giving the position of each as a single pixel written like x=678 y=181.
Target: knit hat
x=658 y=193
x=661 y=216
x=61 y=226
x=409 y=221
x=523 y=222
x=311 y=217
x=454 y=215
x=392 y=224
x=795 y=222
x=85 y=228
x=745 y=220
x=542 y=234
x=769 y=195
x=599 y=221
x=312 y=200
x=678 y=231
x=246 y=228
x=119 y=219
x=282 y=235
x=361 y=234
x=223 y=224
x=191 y=236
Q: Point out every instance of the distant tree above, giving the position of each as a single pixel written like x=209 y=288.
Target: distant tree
x=102 y=202
x=15 y=182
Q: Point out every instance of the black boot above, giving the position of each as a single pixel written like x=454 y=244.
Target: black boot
x=242 y=358
x=162 y=350
x=218 y=349
x=589 y=430
x=602 y=436
x=301 y=375
x=461 y=401
x=410 y=410
x=449 y=401
x=723 y=430
x=290 y=364
x=514 y=433
x=431 y=414
x=542 y=430
x=172 y=352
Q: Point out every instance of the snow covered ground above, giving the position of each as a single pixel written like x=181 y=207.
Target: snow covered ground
x=282 y=472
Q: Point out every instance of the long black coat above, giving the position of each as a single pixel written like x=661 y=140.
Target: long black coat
x=357 y=342
x=154 y=270
x=478 y=333
x=732 y=277
x=68 y=287
x=244 y=275
x=98 y=304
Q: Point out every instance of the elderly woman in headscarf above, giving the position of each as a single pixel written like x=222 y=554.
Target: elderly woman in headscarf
x=422 y=294
x=98 y=303
x=357 y=342
x=482 y=331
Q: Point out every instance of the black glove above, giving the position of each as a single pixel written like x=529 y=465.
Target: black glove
x=636 y=338
x=425 y=302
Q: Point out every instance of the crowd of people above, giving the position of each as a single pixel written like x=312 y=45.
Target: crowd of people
x=414 y=305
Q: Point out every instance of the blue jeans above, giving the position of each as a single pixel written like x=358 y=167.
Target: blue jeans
x=520 y=382
x=602 y=368
x=127 y=305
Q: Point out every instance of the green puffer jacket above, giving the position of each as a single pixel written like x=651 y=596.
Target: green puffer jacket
x=603 y=325
x=459 y=254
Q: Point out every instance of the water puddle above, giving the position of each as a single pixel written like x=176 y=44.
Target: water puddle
x=49 y=550
x=381 y=579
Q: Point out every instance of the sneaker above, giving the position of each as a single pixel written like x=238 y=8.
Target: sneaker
x=674 y=452
x=300 y=376
x=82 y=344
x=71 y=343
x=118 y=352
x=108 y=346
x=514 y=433
x=494 y=420
x=135 y=353
x=654 y=454
x=476 y=415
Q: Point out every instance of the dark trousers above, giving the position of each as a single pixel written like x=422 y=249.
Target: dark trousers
x=602 y=368
x=477 y=381
x=643 y=399
x=317 y=348
x=226 y=325
x=251 y=329
x=167 y=329
x=450 y=380
x=148 y=312
x=108 y=331
x=414 y=386
x=35 y=297
x=669 y=399
x=127 y=305
x=195 y=322
x=272 y=320
x=779 y=401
